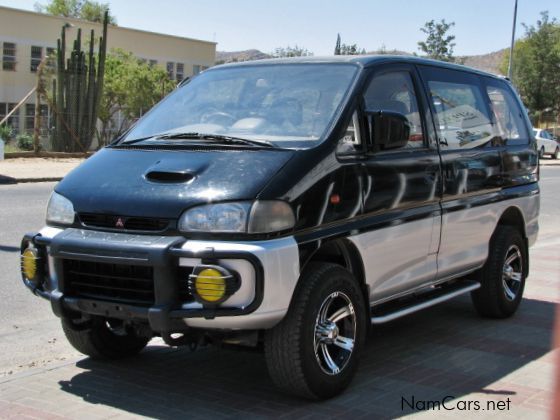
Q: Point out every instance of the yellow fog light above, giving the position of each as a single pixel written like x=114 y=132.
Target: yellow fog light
x=211 y=285
x=29 y=259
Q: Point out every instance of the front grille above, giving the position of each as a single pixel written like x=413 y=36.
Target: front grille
x=108 y=221
x=113 y=282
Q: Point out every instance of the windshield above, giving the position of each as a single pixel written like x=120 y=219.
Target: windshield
x=288 y=105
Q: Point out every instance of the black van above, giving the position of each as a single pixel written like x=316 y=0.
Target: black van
x=292 y=204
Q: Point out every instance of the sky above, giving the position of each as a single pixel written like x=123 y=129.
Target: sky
x=481 y=26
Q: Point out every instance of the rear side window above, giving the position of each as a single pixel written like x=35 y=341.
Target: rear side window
x=509 y=122
x=462 y=116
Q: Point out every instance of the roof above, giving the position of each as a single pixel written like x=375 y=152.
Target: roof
x=77 y=22
x=361 y=60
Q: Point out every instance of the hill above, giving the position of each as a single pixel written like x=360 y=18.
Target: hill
x=234 y=56
x=487 y=62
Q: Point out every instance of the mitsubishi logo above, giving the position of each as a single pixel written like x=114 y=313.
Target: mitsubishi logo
x=119 y=223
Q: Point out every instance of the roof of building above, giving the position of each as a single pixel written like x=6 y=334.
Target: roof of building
x=77 y=22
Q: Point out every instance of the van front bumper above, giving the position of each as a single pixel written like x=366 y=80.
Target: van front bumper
x=268 y=273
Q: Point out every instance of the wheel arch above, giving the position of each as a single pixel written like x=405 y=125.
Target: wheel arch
x=513 y=217
x=342 y=252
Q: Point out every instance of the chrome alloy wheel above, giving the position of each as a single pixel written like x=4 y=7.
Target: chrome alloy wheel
x=335 y=333
x=512 y=273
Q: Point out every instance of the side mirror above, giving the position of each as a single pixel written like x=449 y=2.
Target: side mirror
x=387 y=130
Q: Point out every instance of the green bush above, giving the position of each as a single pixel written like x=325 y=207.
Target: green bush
x=6 y=133
x=25 y=142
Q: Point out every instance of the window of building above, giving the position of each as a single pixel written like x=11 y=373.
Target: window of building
x=13 y=121
x=153 y=63
x=9 y=56
x=29 y=119
x=36 y=57
x=170 y=69
x=29 y=124
x=180 y=73
x=195 y=69
x=51 y=58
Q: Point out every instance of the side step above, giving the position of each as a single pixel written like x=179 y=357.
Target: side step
x=393 y=310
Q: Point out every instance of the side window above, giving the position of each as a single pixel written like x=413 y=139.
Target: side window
x=351 y=142
x=509 y=127
x=395 y=92
x=462 y=117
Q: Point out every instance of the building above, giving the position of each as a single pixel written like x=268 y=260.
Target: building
x=26 y=37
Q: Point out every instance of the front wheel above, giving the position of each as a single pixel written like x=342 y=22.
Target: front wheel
x=104 y=339
x=314 y=351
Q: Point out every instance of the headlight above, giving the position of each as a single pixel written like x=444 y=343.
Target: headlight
x=60 y=210
x=241 y=217
x=271 y=216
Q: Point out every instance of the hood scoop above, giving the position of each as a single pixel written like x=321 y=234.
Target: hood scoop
x=172 y=171
x=169 y=177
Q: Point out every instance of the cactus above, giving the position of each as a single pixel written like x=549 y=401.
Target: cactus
x=77 y=92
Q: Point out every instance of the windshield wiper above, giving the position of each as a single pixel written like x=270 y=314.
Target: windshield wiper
x=216 y=137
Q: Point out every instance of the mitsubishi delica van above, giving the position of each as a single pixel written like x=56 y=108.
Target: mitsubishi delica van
x=293 y=204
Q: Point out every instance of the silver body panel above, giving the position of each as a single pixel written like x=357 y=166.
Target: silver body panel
x=280 y=261
x=398 y=259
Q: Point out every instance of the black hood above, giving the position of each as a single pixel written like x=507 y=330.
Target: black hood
x=163 y=183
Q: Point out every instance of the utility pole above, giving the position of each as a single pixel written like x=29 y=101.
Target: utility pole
x=510 y=67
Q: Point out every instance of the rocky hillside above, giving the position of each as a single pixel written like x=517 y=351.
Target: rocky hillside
x=486 y=62
x=234 y=56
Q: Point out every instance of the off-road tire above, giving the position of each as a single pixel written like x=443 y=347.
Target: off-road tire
x=98 y=341
x=289 y=347
x=490 y=300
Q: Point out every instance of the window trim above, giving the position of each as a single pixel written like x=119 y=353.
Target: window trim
x=13 y=58
x=35 y=62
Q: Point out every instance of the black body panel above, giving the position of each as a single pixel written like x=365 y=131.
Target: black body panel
x=113 y=181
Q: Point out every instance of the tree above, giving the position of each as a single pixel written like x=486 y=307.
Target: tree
x=344 y=49
x=80 y=9
x=351 y=50
x=131 y=87
x=536 y=65
x=337 y=46
x=291 y=52
x=438 y=45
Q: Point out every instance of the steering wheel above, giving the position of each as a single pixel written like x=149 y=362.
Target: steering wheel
x=218 y=117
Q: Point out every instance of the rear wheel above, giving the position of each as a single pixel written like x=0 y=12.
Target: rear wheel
x=556 y=153
x=104 y=339
x=541 y=152
x=503 y=275
x=314 y=351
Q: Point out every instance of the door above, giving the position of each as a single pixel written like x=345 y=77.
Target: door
x=401 y=194
x=471 y=167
